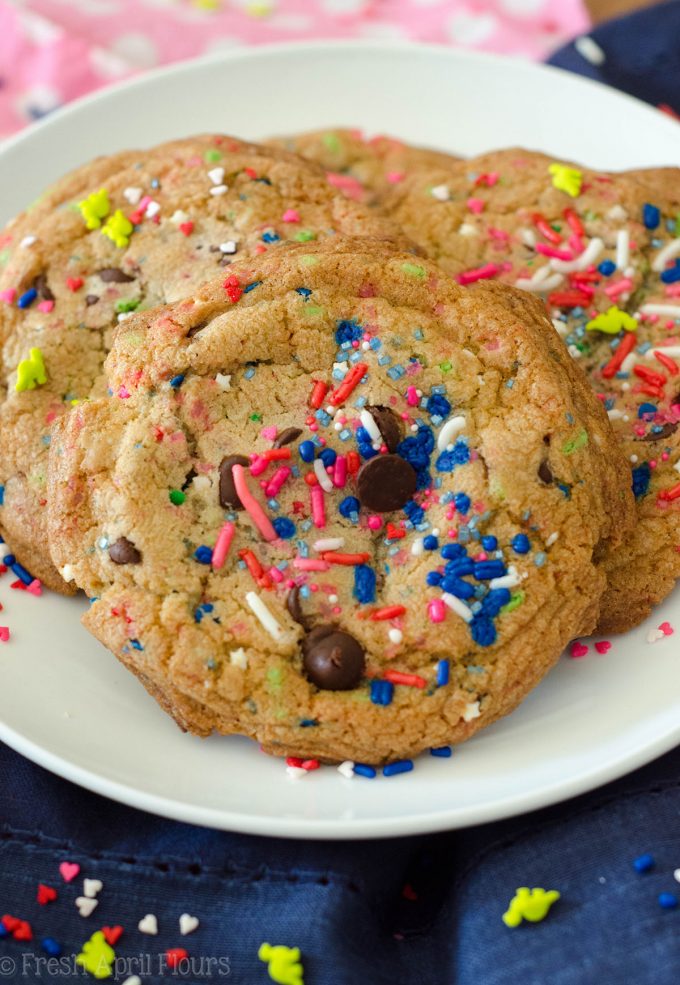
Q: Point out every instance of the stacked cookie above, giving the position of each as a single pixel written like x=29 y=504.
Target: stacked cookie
x=322 y=492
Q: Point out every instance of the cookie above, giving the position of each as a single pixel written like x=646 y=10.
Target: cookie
x=603 y=251
x=121 y=234
x=338 y=503
x=363 y=168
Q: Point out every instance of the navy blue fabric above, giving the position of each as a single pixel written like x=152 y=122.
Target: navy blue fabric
x=423 y=910
x=642 y=55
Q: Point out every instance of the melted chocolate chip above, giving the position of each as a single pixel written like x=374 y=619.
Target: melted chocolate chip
x=91 y=299
x=124 y=552
x=114 y=275
x=228 y=495
x=387 y=423
x=666 y=431
x=545 y=473
x=295 y=608
x=191 y=475
x=40 y=284
x=386 y=483
x=333 y=660
x=287 y=436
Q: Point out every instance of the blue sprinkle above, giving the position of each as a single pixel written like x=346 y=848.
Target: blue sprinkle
x=438 y=406
x=9 y=560
x=203 y=554
x=483 y=630
x=607 y=268
x=642 y=476
x=456 y=586
x=366 y=450
x=270 y=237
x=307 y=451
x=345 y=434
x=362 y=436
x=2 y=495
x=644 y=863
x=442 y=673
x=521 y=544
x=348 y=331
x=442 y=752
x=49 y=945
x=307 y=722
x=400 y=766
x=671 y=275
x=462 y=502
x=328 y=457
x=207 y=606
x=448 y=460
x=177 y=381
x=489 y=543
x=494 y=601
x=396 y=372
x=27 y=298
x=430 y=543
x=303 y=291
x=4 y=932
x=381 y=692
x=136 y=644
x=460 y=566
x=364 y=583
x=651 y=216
x=284 y=527
x=433 y=578
x=363 y=770
x=415 y=513
x=451 y=551
x=416 y=450
x=349 y=505
x=540 y=558
x=645 y=410
x=668 y=901
x=484 y=570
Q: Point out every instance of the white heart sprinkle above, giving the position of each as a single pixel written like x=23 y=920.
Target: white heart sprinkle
x=187 y=924
x=134 y=980
x=239 y=658
x=86 y=905
x=92 y=886
x=219 y=190
x=148 y=924
x=676 y=875
x=178 y=217
x=132 y=195
x=152 y=209
x=216 y=175
x=28 y=241
x=346 y=769
x=296 y=772
x=228 y=247
x=441 y=193
x=223 y=381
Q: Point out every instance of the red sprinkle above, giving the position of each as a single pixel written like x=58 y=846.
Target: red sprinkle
x=319 y=391
x=350 y=382
x=574 y=221
x=670 y=494
x=186 y=227
x=625 y=347
x=260 y=576
x=389 y=612
x=399 y=677
x=175 y=956
x=233 y=288
x=74 y=283
x=667 y=362
x=336 y=558
x=45 y=894
x=568 y=299
x=353 y=462
x=649 y=375
x=545 y=228
x=112 y=934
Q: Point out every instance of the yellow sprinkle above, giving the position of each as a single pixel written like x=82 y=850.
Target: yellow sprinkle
x=612 y=321
x=31 y=372
x=97 y=957
x=206 y=4
x=94 y=208
x=529 y=904
x=118 y=228
x=259 y=9
x=566 y=179
x=285 y=966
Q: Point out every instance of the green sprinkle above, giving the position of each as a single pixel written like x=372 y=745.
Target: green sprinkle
x=177 y=497
x=211 y=156
x=580 y=441
x=309 y=260
x=313 y=310
x=274 y=678
x=445 y=367
x=304 y=236
x=256 y=417
x=677 y=224
x=413 y=269
x=332 y=142
x=124 y=306
x=4 y=257
x=516 y=600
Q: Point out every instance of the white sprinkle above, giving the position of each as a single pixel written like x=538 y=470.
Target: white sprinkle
x=617 y=213
x=296 y=772
x=628 y=363
x=457 y=606
x=91 y=887
x=471 y=711
x=228 y=247
x=417 y=547
x=223 y=381
x=676 y=875
x=332 y=599
x=264 y=615
x=583 y=260
x=219 y=190
x=560 y=327
x=669 y=251
x=589 y=49
x=671 y=310
x=132 y=195
x=328 y=544
x=216 y=175
x=86 y=906
x=634 y=459
x=323 y=477
x=201 y=482
x=148 y=924
x=28 y=241
x=448 y=430
x=346 y=769
x=178 y=217
x=654 y=635
x=365 y=346
x=441 y=193
x=395 y=635
x=467 y=229
x=510 y=580
x=152 y=209
x=369 y=424
x=67 y=572
x=677 y=466
x=239 y=658
x=124 y=315
x=551 y=539
x=668 y=350
x=615 y=414
x=528 y=236
x=574 y=352
x=187 y=924
x=622 y=248
x=539 y=284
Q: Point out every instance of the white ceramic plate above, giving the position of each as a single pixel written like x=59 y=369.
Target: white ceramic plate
x=66 y=703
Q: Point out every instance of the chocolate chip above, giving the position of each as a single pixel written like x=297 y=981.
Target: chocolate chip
x=40 y=284
x=545 y=473
x=114 y=275
x=228 y=495
x=124 y=552
x=295 y=608
x=386 y=483
x=333 y=660
x=195 y=329
x=287 y=436
x=387 y=423
x=91 y=299
x=191 y=475
x=666 y=431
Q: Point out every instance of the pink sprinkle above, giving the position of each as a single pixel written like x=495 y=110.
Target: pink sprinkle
x=340 y=472
x=291 y=215
x=8 y=295
x=603 y=646
x=350 y=186
x=123 y=392
x=619 y=287
x=576 y=243
x=258 y=465
x=34 y=587
x=475 y=205
x=272 y=488
x=375 y=522
x=269 y=433
x=666 y=629
x=310 y=563
x=499 y=234
x=552 y=251
x=275 y=574
x=578 y=649
x=394 y=177
x=223 y=543
x=479 y=273
x=412 y=397
x=45 y=306
x=257 y=514
x=318 y=507
x=436 y=610
x=4 y=633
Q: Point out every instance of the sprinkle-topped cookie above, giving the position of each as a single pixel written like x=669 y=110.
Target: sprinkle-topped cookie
x=338 y=503
x=120 y=235
x=603 y=251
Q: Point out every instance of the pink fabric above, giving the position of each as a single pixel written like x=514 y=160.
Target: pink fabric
x=52 y=51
